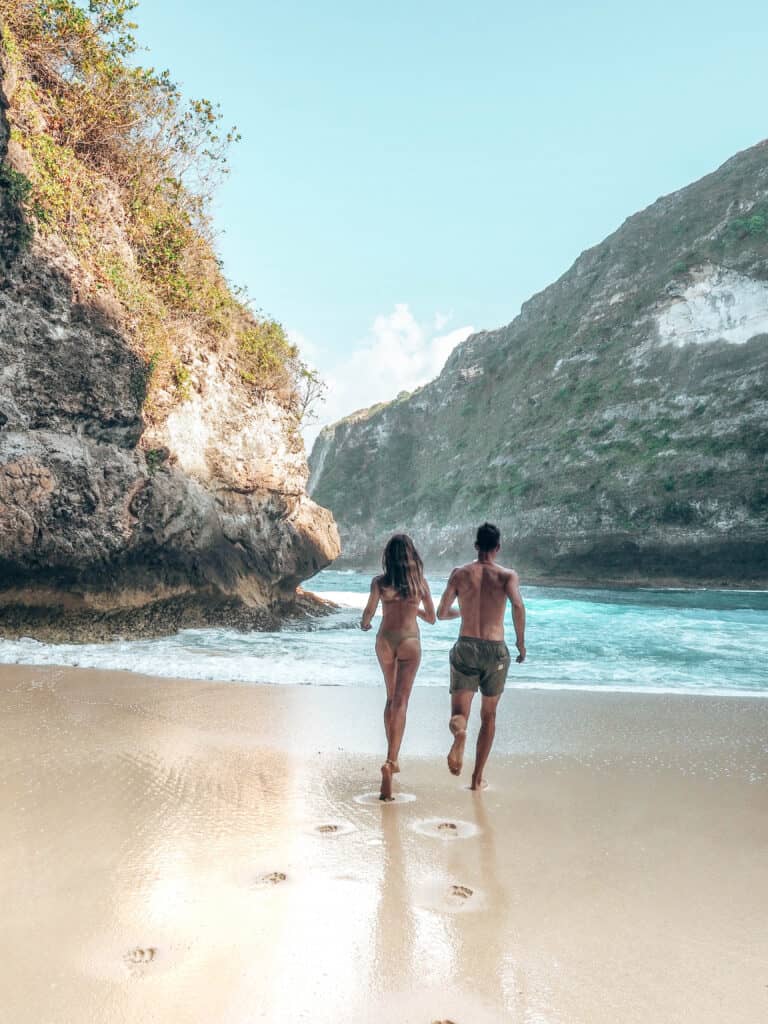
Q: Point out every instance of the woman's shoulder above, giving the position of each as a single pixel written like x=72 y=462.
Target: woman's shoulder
x=385 y=588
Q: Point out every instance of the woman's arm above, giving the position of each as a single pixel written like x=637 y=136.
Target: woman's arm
x=427 y=611
x=373 y=604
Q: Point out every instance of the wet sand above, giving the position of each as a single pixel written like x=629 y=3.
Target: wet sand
x=201 y=852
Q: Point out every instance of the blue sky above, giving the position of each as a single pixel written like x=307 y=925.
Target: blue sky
x=412 y=170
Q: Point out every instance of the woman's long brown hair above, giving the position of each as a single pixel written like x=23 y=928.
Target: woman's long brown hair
x=403 y=568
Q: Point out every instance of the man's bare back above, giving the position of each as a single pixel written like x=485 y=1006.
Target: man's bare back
x=483 y=589
x=480 y=658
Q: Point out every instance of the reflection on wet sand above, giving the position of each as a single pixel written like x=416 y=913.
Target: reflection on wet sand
x=132 y=842
x=480 y=933
x=161 y=861
x=500 y=939
x=395 y=926
x=440 y=920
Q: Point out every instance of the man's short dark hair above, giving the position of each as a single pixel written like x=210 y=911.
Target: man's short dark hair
x=488 y=537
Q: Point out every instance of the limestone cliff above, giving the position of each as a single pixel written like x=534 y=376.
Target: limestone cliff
x=617 y=429
x=117 y=513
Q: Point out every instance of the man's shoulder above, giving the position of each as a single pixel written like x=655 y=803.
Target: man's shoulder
x=508 y=575
x=461 y=570
x=505 y=569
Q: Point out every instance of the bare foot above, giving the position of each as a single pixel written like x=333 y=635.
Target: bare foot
x=458 y=726
x=478 y=783
x=386 y=781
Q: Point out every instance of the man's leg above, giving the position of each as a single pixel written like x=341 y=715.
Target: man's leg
x=484 y=738
x=461 y=703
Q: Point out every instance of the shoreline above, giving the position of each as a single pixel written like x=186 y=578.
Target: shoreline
x=538 y=686
x=530 y=720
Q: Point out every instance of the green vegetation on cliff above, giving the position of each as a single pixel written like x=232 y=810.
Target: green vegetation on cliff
x=95 y=136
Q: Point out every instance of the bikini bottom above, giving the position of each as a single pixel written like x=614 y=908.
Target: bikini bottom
x=394 y=637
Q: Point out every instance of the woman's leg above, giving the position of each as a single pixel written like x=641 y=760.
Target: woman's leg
x=388 y=664
x=407 y=665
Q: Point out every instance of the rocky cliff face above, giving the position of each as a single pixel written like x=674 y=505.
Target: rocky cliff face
x=112 y=522
x=617 y=429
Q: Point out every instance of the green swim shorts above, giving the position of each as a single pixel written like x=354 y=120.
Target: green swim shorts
x=482 y=663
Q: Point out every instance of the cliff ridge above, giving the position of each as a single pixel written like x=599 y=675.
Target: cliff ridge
x=617 y=429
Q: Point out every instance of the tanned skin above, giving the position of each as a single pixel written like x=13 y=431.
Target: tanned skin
x=482 y=589
x=398 y=667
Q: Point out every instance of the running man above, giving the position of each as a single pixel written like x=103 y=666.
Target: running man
x=480 y=658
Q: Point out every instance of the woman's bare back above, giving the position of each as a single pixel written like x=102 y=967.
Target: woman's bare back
x=397 y=612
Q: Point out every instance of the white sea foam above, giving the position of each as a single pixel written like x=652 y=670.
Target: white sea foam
x=346 y=598
x=619 y=641
x=693 y=691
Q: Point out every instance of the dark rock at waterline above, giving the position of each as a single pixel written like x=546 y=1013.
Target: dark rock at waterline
x=56 y=624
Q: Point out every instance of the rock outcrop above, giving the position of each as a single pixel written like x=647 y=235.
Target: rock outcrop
x=111 y=522
x=617 y=429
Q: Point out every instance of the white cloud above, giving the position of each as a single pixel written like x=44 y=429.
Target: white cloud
x=398 y=354
x=307 y=349
x=446 y=343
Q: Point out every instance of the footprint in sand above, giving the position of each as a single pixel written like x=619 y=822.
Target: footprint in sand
x=333 y=828
x=443 y=897
x=273 y=878
x=461 y=891
x=140 y=956
x=441 y=829
x=137 y=959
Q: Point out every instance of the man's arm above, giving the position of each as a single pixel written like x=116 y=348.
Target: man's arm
x=512 y=590
x=445 y=609
x=373 y=604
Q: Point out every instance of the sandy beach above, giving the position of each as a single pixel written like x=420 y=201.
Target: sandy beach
x=185 y=852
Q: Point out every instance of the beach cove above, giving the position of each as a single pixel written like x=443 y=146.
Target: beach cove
x=224 y=396
x=201 y=851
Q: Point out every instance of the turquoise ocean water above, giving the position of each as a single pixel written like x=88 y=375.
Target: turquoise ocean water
x=705 y=641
